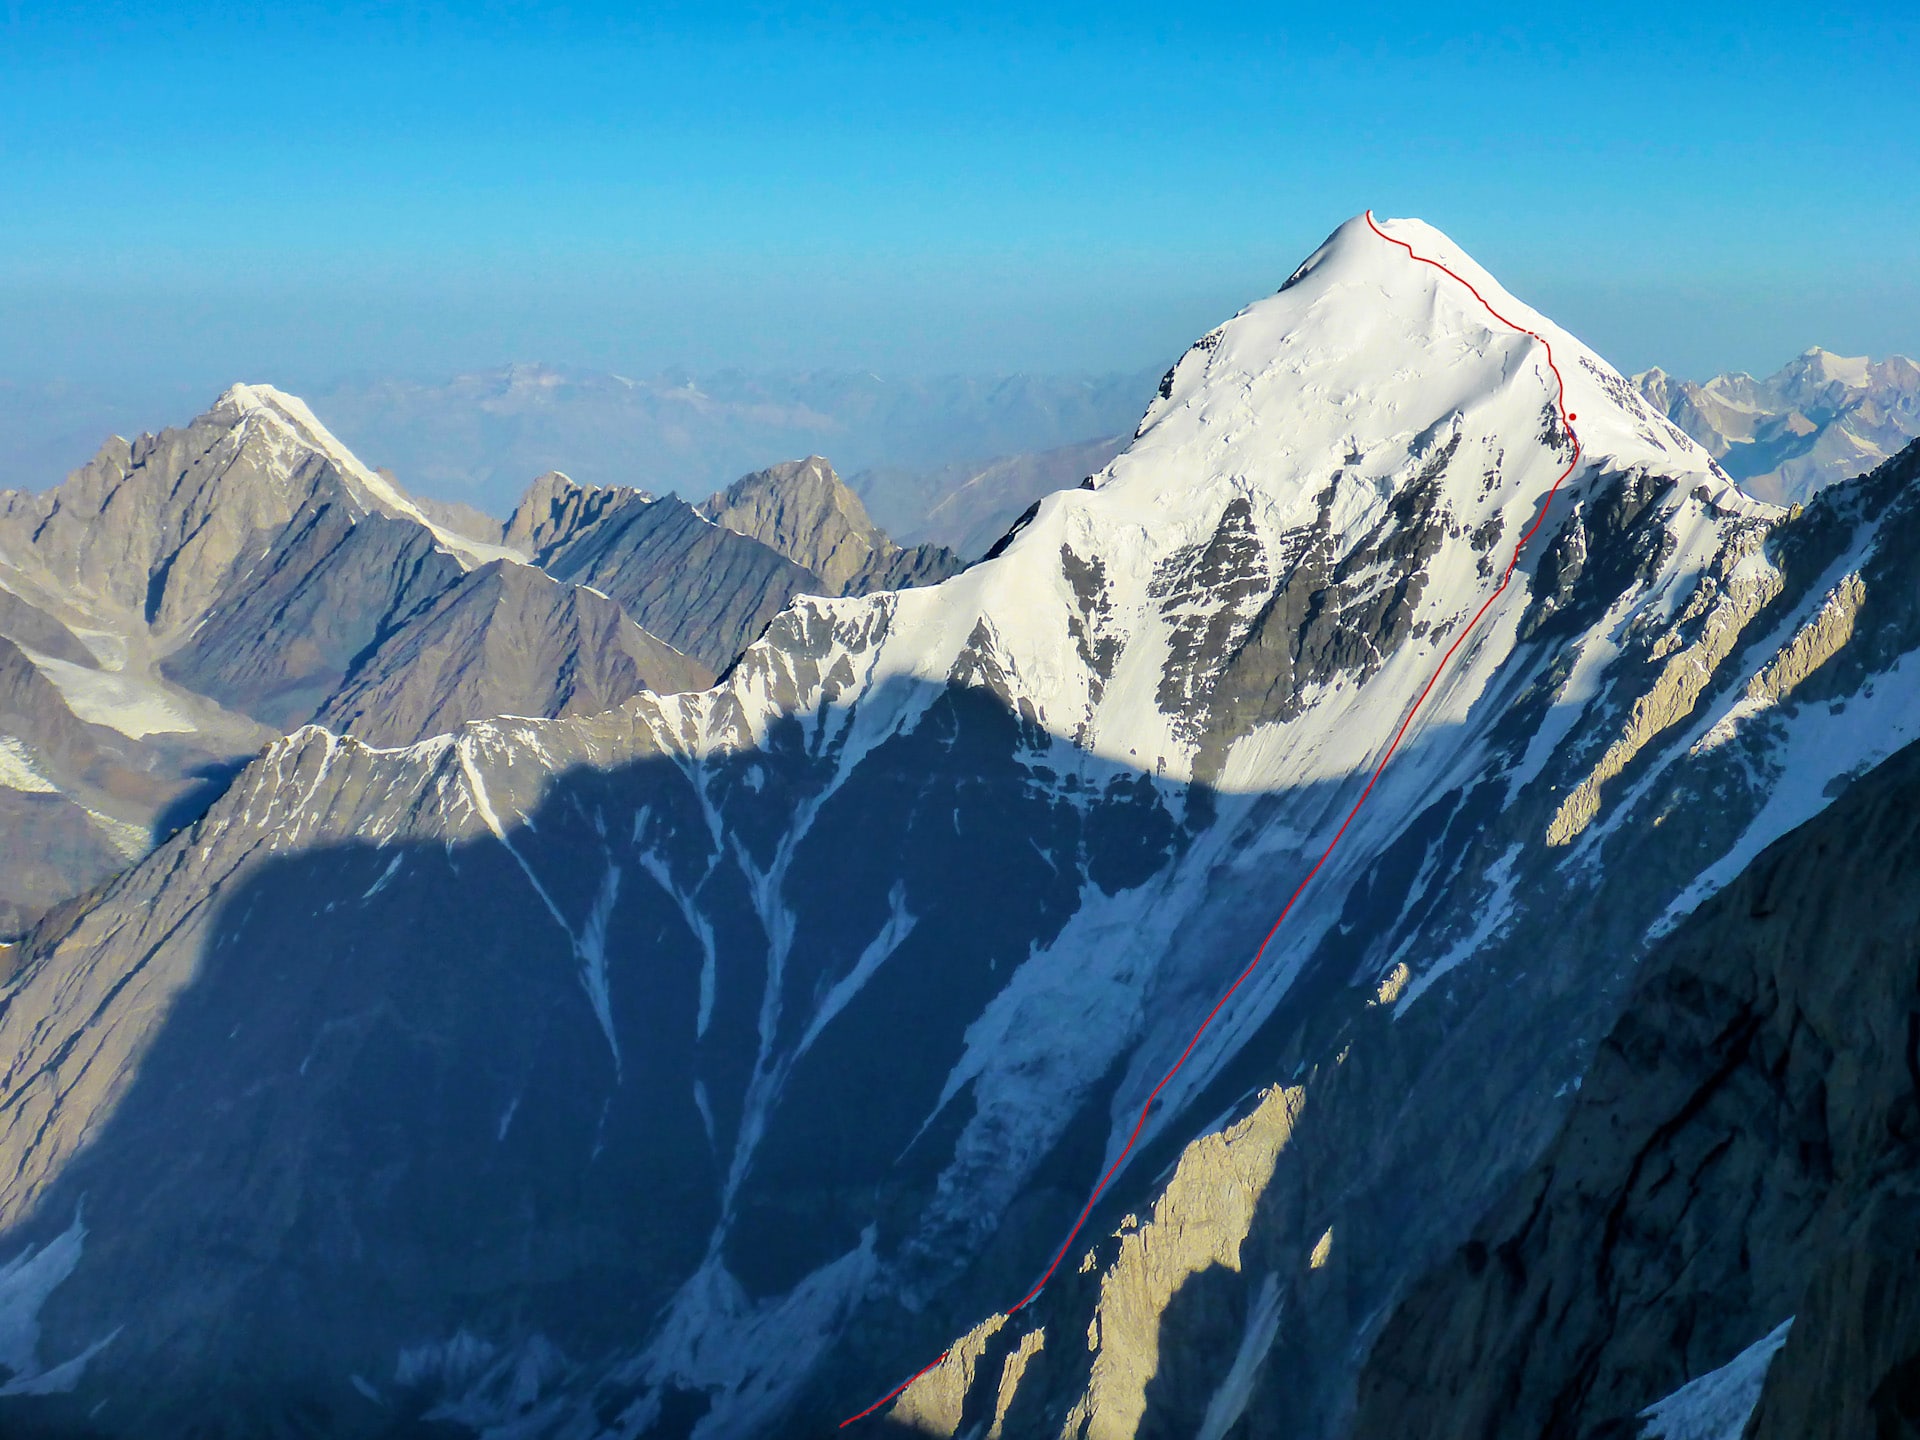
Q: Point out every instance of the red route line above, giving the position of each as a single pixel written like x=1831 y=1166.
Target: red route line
x=1560 y=403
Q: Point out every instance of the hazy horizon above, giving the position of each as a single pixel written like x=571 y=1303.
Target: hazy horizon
x=50 y=427
x=307 y=192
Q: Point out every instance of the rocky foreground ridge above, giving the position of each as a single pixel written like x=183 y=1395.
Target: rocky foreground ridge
x=1742 y=1167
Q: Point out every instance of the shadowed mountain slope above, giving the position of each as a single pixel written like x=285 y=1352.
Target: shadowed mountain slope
x=1745 y=1152
x=505 y=640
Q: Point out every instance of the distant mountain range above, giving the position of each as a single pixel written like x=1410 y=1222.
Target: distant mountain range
x=953 y=460
x=956 y=459
x=477 y=437
x=185 y=597
x=1818 y=420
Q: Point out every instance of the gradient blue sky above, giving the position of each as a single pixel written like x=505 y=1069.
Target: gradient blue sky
x=293 y=192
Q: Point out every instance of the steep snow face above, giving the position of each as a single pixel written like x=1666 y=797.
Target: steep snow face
x=825 y=995
x=1718 y=1405
x=1370 y=425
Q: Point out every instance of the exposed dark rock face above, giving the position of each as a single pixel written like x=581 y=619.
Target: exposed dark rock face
x=1607 y=543
x=286 y=632
x=29 y=625
x=1745 y=1148
x=704 y=589
x=1797 y=627
x=556 y=511
x=52 y=848
x=1332 y=619
x=803 y=510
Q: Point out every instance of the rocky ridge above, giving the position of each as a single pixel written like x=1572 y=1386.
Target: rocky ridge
x=704 y=589
x=186 y=596
x=505 y=639
x=1743 y=1157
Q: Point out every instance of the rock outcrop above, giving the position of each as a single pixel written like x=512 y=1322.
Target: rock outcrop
x=505 y=639
x=804 y=510
x=1745 y=1150
x=53 y=842
x=704 y=589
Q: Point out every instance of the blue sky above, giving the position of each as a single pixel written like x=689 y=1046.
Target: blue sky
x=293 y=192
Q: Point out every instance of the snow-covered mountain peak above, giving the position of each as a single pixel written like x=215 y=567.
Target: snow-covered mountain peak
x=1365 y=350
x=1819 y=364
x=298 y=431
x=1368 y=441
x=1820 y=419
x=853 y=974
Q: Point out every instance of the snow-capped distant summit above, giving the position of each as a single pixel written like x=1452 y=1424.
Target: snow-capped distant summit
x=288 y=413
x=1820 y=419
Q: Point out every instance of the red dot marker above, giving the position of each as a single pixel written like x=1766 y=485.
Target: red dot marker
x=1572 y=418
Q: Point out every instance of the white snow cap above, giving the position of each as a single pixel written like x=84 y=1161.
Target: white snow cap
x=1311 y=411
x=1362 y=335
x=292 y=413
x=1363 y=359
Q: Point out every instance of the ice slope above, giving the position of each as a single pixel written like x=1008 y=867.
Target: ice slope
x=1717 y=1405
